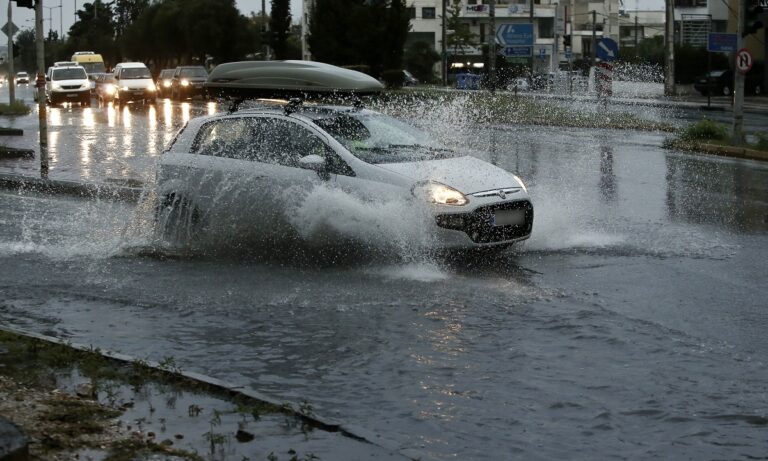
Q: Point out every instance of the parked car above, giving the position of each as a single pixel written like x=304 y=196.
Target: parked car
x=721 y=83
x=67 y=84
x=409 y=79
x=163 y=83
x=22 y=77
x=245 y=172
x=187 y=82
x=133 y=82
x=105 y=87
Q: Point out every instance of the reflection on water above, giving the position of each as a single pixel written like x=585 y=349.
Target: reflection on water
x=88 y=118
x=707 y=190
x=185 y=108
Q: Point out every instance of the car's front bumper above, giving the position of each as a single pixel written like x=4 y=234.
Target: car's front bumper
x=57 y=96
x=134 y=95
x=475 y=228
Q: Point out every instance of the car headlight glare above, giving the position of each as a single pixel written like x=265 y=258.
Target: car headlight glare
x=167 y=83
x=522 y=184
x=124 y=88
x=109 y=89
x=185 y=82
x=440 y=194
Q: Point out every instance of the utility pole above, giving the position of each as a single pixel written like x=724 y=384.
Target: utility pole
x=444 y=51
x=669 y=45
x=40 y=82
x=738 y=84
x=11 y=73
x=492 y=44
x=530 y=16
x=636 y=29
x=594 y=39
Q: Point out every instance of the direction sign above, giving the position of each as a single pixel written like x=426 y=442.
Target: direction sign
x=607 y=49
x=515 y=34
x=517 y=51
x=12 y=27
x=721 y=43
x=744 y=61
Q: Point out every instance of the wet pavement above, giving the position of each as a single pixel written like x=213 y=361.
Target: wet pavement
x=631 y=325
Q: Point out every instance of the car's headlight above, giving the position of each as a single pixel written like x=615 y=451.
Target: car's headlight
x=185 y=82
x=55 y=86
x=124 y=88
x=109 y=89
x=151 y=88
x=439 y=193
x=167 y=83
x=522 y=184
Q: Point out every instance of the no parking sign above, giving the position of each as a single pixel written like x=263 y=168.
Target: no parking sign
x=744 y=60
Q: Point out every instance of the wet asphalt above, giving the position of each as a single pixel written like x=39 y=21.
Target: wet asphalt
x=630 y=326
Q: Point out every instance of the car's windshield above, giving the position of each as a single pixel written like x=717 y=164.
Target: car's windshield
x=94 y=67
x=377 y=138
x=195 y=72
x=22 y=74
x=68 y=74
x=716 y=73
x=135 y=72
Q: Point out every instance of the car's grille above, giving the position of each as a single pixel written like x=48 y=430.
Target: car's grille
x=70 y=87
x=479 y=227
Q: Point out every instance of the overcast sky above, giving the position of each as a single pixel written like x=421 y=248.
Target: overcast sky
x=24 y=18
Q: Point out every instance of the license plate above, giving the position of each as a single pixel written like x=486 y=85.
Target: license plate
x=138 y=92
x=72 y=95
x=508 y=217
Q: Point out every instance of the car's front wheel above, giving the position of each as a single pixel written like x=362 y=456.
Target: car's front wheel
x=176 y=219
x=726 y=90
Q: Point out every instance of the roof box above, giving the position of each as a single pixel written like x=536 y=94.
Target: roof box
x=286 y=78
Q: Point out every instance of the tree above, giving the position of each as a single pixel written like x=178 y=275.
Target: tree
x=420 y=58
x=279 y=26
x=25 y=46
x=461 y=38
x=126 y=12
x=94 y=30
x=359 y=32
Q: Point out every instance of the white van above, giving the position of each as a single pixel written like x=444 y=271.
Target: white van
x=67 y=84
x=133 y=82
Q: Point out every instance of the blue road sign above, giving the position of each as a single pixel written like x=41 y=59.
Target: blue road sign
x=607 y=49
x=517 y=51
x=515 y=34
x=722 y=43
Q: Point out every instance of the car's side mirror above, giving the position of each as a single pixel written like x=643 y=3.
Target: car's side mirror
x=312 y=162
x=47 y=79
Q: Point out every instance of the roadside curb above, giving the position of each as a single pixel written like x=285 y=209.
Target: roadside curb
x=729 y=151
x=79 y=189
x=353 y=432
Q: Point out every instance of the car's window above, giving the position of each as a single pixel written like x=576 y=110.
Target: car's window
x=68 y=74
x=377 y=138
x=193 y=72
x=265 y=139
x=135 y=73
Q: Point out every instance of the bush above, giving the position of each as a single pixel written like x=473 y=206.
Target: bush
x=393 y=78
x=17 y=108
x=420 y=58
x=705 y=130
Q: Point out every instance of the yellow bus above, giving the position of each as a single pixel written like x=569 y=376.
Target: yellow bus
x=92 y=62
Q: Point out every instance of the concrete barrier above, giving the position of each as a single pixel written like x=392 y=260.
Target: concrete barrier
x=79 y=189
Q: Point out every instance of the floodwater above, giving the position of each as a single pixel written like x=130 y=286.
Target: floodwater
x=630 y=326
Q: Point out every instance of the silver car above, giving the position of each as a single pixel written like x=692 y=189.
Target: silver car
x=253 y=172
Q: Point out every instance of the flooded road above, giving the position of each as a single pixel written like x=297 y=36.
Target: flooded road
x=631 y=325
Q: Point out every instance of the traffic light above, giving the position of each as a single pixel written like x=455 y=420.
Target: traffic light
x=25 y=3
x=566 y=40
x=752 y=20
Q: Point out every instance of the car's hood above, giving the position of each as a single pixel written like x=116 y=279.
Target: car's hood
x=135 y=83
x=466 y=174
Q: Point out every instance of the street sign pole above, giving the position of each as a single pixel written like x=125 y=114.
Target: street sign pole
x=492 y=45
x=40 y=82
x=738 y=85
x=11 y=73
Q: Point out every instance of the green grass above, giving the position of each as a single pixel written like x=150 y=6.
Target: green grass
x=709 y=132
x=17 y=108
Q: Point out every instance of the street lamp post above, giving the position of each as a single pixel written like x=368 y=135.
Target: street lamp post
x=50 y=18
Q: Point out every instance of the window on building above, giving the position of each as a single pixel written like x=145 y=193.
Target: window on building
x=546 y=27
x=411 y=13
x=428 y=13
